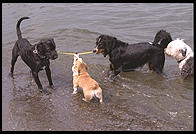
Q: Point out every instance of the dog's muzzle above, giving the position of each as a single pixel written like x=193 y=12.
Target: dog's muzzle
x=95 y=50
x=54 y=56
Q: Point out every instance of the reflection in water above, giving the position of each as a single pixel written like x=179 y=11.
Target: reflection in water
x=32 y=113
x=29 y=109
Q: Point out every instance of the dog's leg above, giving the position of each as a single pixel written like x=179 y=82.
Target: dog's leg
x=113 y=76
x=111 y=66
x=37 y=81
x=48 y=73
x=157 y=63
x=149 y=66
x=157 y=70
x=75 y=90
x=88 y=96
x=84 y=99
x=75 y=84
x=99 y=95
x=117 y=71
x=14 y=59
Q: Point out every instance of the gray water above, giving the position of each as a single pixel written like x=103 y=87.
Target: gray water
x=138 y=100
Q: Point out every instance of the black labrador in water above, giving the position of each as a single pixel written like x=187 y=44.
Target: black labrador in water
x=127 y=57
x=35 y=56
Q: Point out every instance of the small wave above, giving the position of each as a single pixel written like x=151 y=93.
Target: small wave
x=85 y=31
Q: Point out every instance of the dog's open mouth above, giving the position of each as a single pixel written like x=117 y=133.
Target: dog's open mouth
x=54 y=57
x=98 y=51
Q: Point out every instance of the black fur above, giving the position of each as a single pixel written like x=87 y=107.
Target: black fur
x=125 y=57
x=35 y=56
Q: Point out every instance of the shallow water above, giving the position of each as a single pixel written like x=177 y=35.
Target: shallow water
x=138 y=100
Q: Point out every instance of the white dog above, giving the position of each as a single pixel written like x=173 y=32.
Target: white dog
x=179 y=50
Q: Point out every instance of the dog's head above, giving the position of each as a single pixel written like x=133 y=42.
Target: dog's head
x=104 y=44
x=162 y=39
x=47 y=48
x=178 y=49
x=79 y=65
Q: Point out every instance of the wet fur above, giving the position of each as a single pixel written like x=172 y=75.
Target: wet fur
x=127 y=57
x=35 y=56
x=184 y=55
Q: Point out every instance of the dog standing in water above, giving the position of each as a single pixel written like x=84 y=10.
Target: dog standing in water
x=127 y=57
x=35 y=56
x=184 y=55
x=82 y=79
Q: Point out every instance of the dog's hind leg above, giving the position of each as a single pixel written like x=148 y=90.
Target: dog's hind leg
x=157 y=63
x=154 y=67
x=149 y=66
x=98 y=94
x=88 y=96
x=14 y=59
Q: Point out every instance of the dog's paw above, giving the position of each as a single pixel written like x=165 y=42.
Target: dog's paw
x=74 y=92
x=84 y=99
x=51 y=86
x=112 y=78
x=44 y=91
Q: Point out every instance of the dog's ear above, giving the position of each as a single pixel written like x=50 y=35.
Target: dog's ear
x=183 y=52
x=48 y=41
x=40 y=46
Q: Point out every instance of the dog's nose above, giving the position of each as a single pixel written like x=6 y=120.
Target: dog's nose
x=94 y=50
x=55 y=56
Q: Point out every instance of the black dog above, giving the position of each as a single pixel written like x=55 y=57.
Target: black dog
x=35 y=56
x=125 y=57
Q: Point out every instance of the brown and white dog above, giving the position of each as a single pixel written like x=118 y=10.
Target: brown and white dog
x=184 y=55
x=82 y=79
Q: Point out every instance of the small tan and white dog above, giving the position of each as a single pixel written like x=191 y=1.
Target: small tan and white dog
x=82 y=79
x=184 y=55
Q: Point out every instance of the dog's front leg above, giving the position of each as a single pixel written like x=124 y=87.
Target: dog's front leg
x=75 y=84
x=36 y=78
x=111 y=66
x=117 y=71
x=75 y=90
x=117 y=68
x=48 y=73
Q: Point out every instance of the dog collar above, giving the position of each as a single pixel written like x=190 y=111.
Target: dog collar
x=36 y=52
x=179 y=61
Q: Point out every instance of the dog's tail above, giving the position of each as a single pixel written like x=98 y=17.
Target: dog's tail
x=162 y=39
x=19 y=34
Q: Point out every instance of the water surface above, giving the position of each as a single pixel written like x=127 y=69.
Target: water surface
x=138 y=100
